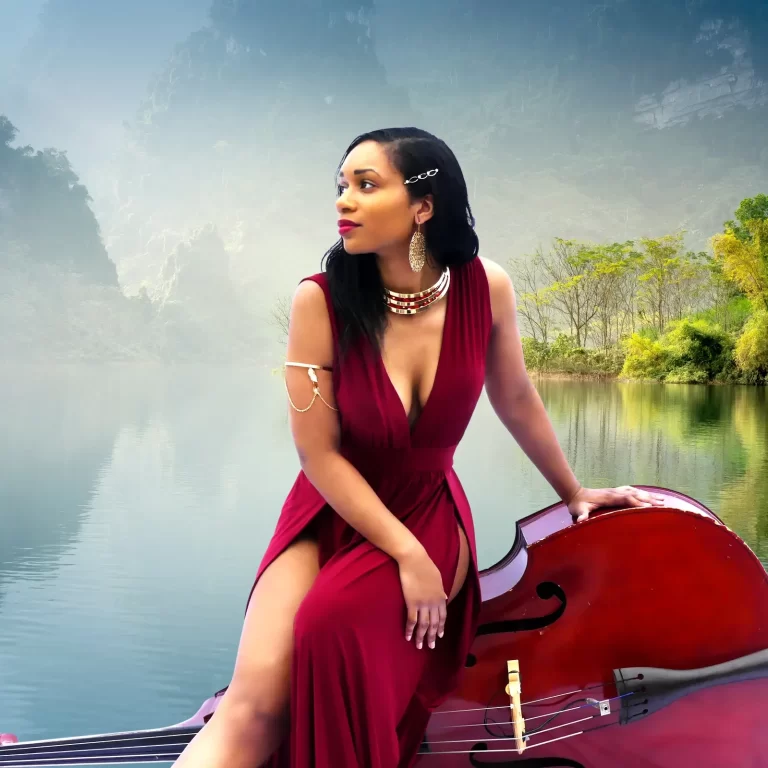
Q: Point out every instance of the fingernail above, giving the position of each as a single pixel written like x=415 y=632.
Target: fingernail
x=418 y=645
x=408 y=638
x=441 y=634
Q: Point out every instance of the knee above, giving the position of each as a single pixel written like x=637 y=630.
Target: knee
x=248 y=715
x=260 y=693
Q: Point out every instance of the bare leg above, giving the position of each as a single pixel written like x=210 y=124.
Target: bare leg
x=252 y=717
x=462 y=567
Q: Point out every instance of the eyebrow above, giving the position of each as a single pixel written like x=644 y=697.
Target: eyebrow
x=358 y=171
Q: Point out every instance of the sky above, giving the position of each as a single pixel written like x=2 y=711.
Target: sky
x=201 y=121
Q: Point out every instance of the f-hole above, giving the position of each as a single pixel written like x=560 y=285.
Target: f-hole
x=545 y=591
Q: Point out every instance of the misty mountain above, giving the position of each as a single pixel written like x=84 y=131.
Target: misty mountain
x=598 y=122
x=244 y=129
x=580 y=120
x=45 y=214
x=59 y=294
x=72 y=71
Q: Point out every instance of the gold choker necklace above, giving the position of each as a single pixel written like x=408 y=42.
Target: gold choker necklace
x=413 y=303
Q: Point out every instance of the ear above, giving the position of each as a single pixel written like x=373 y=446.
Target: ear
x=425 y=209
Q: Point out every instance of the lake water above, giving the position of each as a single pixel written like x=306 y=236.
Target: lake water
x=135 y=505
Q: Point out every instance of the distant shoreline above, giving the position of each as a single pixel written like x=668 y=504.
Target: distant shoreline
x=603 y=376
x=586 y=376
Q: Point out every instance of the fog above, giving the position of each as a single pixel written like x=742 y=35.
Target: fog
x=166 y=170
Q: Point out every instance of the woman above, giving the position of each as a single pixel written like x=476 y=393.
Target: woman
x=367 y=598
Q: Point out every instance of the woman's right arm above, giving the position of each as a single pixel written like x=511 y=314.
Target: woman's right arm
x=316 y=434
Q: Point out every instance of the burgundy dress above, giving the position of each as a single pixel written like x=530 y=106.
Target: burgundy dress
x=361 y=694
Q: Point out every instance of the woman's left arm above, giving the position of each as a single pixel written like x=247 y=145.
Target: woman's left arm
x=520 y=409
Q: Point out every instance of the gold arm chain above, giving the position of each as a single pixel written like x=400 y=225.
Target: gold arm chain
x=315 y=387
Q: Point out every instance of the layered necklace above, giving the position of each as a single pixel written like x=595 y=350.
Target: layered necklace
x=413 y=303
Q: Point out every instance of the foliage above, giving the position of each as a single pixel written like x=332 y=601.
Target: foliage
x=564 y=356
x=691 y=351
x=725 y=304
x=536 y=353
x=533 y=303
x=585 y=293
x=646 y=358
x=751 y=209
x=743 y=254
x=751 y=351
x=741 y=250
x=601 y=293
x=670 y=280
x=650 y=309
x=698 y=351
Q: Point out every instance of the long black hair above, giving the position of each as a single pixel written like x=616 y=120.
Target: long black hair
x=354 y=280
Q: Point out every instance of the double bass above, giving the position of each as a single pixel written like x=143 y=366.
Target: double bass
x=635 y=639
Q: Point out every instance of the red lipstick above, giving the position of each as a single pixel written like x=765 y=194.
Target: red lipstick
x=345 y=225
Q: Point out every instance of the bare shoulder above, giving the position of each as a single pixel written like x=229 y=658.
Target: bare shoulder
x=309 y=297
x=309 y=329
x=501 y=289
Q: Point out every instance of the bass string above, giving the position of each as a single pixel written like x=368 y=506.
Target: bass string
x=515 y=749
x=24 y=760
x=512 y=738
x=539 y=730
x=496 y=722
x=93 y=746
x=506 y=750
x=528 y=703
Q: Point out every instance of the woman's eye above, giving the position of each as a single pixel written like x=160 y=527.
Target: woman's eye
x=340 y=189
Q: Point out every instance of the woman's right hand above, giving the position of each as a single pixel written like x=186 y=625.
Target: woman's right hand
x=424 y=595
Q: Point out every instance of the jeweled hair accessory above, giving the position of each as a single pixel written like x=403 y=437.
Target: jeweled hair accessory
x=421 y=176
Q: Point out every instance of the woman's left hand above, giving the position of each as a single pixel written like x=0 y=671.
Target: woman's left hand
x=587 y=500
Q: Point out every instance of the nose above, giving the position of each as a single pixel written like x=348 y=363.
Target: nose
x=343 y=201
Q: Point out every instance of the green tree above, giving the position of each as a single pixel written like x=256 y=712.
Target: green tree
x=613 y=269
x=751 y=351
x=742 y=249
x=533 y=301
x=573 y=292
x=750 y=209
x=671 y=281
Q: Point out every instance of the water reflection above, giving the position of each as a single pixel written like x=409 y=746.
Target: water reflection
x=58 y=429
x=136 y=505
x=710 y=442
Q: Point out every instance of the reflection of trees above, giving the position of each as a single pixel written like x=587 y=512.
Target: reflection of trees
x=176 y=476
x=680 y=423
x=58 y=431
x=708 y=442
x=744 y=500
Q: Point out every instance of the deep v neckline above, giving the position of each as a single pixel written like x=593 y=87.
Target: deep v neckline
x=402 y=413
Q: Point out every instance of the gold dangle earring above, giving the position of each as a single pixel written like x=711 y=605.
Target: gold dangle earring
x=417 y=252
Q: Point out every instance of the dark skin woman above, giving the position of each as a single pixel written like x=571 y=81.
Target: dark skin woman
x=406 y=229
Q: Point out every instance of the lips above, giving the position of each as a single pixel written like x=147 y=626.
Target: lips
x=345 y=225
